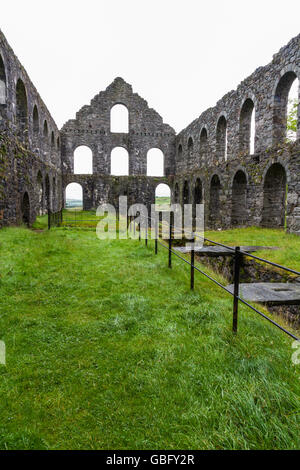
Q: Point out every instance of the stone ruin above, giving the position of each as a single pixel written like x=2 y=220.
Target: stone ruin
x=210 y=161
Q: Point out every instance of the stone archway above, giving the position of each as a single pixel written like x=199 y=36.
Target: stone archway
x=214 y=201
x=25 y=209
x=275 y=189
x=239 y=199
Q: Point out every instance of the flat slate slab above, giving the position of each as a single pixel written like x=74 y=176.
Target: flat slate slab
x=215 y=250
x=275 y=293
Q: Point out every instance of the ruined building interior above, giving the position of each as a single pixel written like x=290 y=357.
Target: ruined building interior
x=211 y=161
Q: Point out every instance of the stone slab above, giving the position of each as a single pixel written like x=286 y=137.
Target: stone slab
x=273 y=293
x=214 y=250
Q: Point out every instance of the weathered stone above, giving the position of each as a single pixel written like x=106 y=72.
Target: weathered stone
x=270 y=293
x=220 y=251
x=237 y=188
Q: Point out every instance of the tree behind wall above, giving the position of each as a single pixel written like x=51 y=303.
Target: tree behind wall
x=292 y=120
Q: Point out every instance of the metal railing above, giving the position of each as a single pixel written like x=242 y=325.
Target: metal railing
x=55 y=218
x=238 y=256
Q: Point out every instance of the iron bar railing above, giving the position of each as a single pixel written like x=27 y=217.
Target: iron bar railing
x=238 y=255
x=55 y=218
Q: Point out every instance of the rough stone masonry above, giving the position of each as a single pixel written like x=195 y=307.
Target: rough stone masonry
x=209 y=161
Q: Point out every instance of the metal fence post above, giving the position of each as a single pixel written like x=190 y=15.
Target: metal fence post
x=170 y=242
x=156 y=236
x=160 y=224
x=49 y=219
x=193 y=263
x=146 y=233
x=139 y=231
x=237 y=261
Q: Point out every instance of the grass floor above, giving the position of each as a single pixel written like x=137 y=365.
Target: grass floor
x=108 y=348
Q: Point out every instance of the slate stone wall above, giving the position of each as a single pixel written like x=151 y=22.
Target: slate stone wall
x=100 y=189
x=25 y=148
x=255 y=169
x=92 y=128
x=209 y=161
x=200 y=147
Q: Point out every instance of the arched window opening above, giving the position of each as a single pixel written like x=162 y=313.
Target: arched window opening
x=203 y=145
x=52 y=139
x=197 y=199
x=58 y=143
x=275 y=190
x=190 y=148
x=53 y=193
x=83 y=160
x=198 y=192
x=176 y=194
x=74 y=196
x=292 y=111
x=186 y=193
x=22 y=108
x=119 y=119
x=119 y=162
x=2 y=82
x=285 y=126
x=247 y=127
x=47 y=192
x=25 y=209
x=222 y=139
x=239 y=199
x=179 y=152
x=155 y=162
x=253 y=132
x=36 y=123
x=214 y=201
x=45 y=131
x=162 y=197
x=40 y=187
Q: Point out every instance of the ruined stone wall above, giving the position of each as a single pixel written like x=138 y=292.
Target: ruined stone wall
x=20 y=173
x=209 y=161
x=100 y=189
x=92 y=128
x=250 y=197
x=201 y=148
x=30 y=159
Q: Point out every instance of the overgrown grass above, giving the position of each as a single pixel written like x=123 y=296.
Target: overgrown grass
x=289 y=244
x=108 y=348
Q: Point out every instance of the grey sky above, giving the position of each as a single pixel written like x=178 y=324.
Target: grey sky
x=181 y=56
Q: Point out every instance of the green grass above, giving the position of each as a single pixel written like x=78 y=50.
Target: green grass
x=108 y=348
x=289 y=244
x=162 y=203
x=74 y=217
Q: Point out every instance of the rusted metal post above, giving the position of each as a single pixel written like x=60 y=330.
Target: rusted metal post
x=146 y=233
x=170 y=241
x=237 y=261
x=156 y=236
x=193 y=263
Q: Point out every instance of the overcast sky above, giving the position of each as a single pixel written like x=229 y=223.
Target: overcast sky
x=181 y=56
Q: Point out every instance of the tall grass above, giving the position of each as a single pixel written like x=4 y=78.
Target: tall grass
x=108 y=348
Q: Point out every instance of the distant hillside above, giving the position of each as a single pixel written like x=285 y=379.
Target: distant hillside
x=73 y=203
